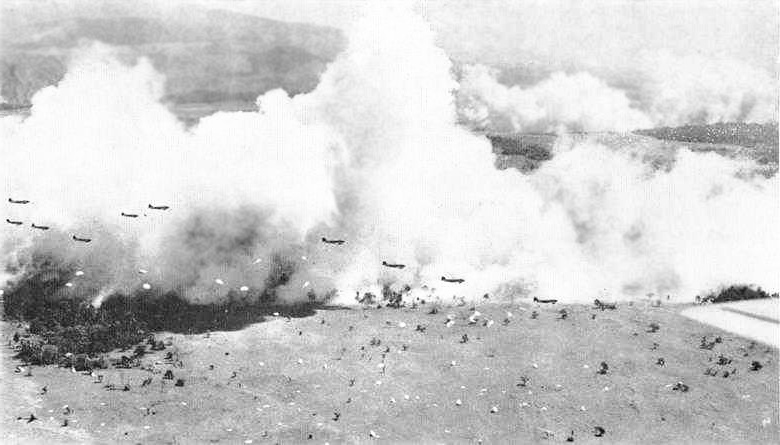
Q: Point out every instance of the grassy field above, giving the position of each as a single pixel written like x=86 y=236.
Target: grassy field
x=340 y=374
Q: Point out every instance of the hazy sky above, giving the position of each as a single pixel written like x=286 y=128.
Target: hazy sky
x=569 y=32
x=604 y=34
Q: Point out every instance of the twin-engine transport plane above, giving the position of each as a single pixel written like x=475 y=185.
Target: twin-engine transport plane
x=604 y=305
x=333 y=241
x=394 y=266
x=536 y=300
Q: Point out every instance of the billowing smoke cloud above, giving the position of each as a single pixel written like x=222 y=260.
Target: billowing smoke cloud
x=699 y=90
x=664 y=91
x=100 y=143
x=707 y=221
x=373 y=156
x=561 y=103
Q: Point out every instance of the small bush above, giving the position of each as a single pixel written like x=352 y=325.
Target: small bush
x=139 y=351
x=30 y=348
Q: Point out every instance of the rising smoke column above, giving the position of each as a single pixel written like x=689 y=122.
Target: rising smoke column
x=424 y=192
x=373 y=155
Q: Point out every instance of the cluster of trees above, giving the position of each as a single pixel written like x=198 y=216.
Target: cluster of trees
x=737 y=293
x=122 y=322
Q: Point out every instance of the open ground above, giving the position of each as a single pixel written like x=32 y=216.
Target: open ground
x=372 y=375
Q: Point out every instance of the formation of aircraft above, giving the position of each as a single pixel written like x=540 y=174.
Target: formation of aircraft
x=325 y=240
x=81 y=239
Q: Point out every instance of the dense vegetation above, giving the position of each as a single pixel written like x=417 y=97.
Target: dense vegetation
x=532 y=146
x=525 y=152
x=737 y=293
x=123 y=321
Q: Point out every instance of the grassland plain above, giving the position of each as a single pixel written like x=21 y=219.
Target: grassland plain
x=370 y=375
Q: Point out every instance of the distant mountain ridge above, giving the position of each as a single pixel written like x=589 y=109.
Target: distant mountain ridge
x=206 y=55
x=757 y=142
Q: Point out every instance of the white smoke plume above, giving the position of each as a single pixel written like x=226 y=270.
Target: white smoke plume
x=698 y=90
x=666 y=91
x=562 y=103
x=374 y=156
x=101 y=143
